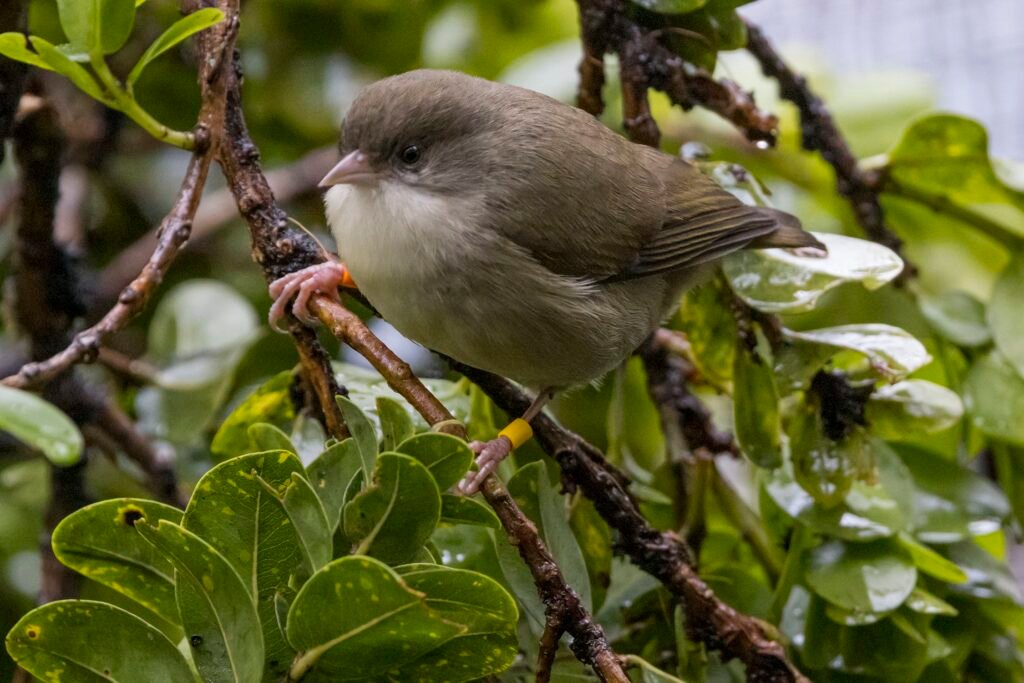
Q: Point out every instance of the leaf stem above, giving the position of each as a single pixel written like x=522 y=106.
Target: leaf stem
x=126 y=103
x=749 y=524
x=790 y=571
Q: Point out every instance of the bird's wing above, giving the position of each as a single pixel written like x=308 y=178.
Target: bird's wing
x=703 y=222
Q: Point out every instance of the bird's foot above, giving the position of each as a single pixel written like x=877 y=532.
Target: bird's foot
x=323 y=278
x=489 y=455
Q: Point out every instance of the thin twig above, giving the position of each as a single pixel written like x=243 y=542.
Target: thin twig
x=821 y=134
x=548 y=647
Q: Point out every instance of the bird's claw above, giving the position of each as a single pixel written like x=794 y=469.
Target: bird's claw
x=323 y=278
x=489 y=455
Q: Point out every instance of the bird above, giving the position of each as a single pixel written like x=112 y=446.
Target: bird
x=517 y=234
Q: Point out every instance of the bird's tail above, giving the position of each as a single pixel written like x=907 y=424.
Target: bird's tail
x=788 y=233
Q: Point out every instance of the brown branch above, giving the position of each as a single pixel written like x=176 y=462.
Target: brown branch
x=174 y=230
x=646 y=62
x=820 y=133
x=663 y=555
x=548 y=647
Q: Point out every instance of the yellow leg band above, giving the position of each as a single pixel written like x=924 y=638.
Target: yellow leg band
x=518 y=432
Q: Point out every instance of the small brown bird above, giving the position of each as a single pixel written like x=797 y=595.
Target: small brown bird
x=517 y=234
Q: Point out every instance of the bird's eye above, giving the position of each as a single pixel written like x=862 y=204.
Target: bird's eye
x=410 y=155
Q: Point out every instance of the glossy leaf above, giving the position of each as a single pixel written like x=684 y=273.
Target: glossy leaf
x=861 y=577
x=232 y=510
x=270 y=403
x=175 y=34
x=1004 y=312
x=756 y=409
x=489 y=644
x=951 y=502
x=331 y=474
x=395 y=423
x=362 y=431
x=778 y=280
x=923 y=602
x=100 y=542
x=957 y=316
x=994 y=398
x=394 y=516
x=83 y=641
x=912 y=407
x=41 y=425
x=99 y=27
x=217 y=610
x=458 y=509
x=307 y=515
x=891 y=351
x=930 y=562
x=987 y=577
x=448 y=458
x=825 y=468
x=378 y=623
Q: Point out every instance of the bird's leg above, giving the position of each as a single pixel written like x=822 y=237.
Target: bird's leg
x=323 y=278
x=490 y=454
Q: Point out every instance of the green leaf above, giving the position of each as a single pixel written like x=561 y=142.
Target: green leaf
x=957 y=316
x=710 y=328
x=99 y=27
x=891 y=351
x=100 y=542
x=267 y=437
x=912 y=407
x=395 y=423
x=448 y=458
x=41 y=425
x=456 y=509
x=923 y=602
x=987 y=577
x=178 y=31
x=308 y=437
x=83 y=641
x=1004 y=313
x=270 y=403
x=994 y=397
x=946 y=156
x=861 y=577
x=951 y=502
x=307 y=515
x=394 y=516
x=778 y=280
x=331 y=474
x=362 y=431
x=233 y=512
x=377 y=622
x=671 y=6
x=825 y=468
x=931 y=563
x=217 y=611
x=14 y=46
x=650 y=673
x=488 y=646
x=756 y=408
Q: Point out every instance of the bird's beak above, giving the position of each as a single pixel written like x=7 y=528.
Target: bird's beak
x=353 y=169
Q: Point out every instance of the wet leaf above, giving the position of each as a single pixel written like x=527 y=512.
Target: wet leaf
x=987 y=577
x=217 y=610
x=994 y=397
x=957 y=316
x=447 y=457
x=378 y=623
x=825 y=468
x=777 y=280
x=488 y=646
x=308 y=437
x=395 y=423
x=930 y=562
x=41 y=425
x=270 y=403
x=100 y=542
x=861 y=577
x=891 y=351
x=70 y=641
x=393 y=517
x=912 y=407
x=756 y=409
x=923 y=602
